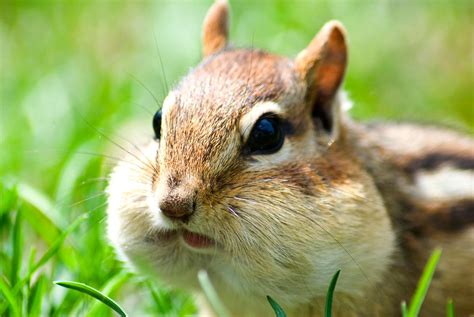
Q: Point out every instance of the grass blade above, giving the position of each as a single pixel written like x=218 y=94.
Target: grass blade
x=57 y=244
x=330 y=294
x=36 y=297
x=10 y=298
x=279 y=312
x=41 y=202
x=31 y=258
x=162 y=300
x=39 y=215
x=423 y=284
x=17 y=246
x=404 y=309
x=450 y=308
x=49 y=253
x=86 y=289
x=211 y=294
x=170 y=303
x=8 y=197
x=112 y=285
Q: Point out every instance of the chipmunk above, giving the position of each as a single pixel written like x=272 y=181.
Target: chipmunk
x=258 y=176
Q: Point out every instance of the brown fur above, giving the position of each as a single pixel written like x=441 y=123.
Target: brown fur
x=338 y=196
x=216 y=28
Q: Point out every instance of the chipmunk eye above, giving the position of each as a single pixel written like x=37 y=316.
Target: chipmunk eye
x=266 y=136
x=157 y=124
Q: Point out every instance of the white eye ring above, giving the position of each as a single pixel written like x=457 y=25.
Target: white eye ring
x=248 y=120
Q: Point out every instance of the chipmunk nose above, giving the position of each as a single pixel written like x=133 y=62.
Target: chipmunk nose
x=177 y=205
x=176 y=196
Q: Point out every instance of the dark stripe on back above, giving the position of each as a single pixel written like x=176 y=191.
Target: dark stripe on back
x=432 y=161
x=457 y=216
x=449 y=216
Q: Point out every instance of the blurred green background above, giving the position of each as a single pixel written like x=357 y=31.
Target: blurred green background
x=70 y=68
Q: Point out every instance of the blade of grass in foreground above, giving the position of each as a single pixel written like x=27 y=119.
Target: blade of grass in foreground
x=423 y=284
x=330 y=294
x=279 y=312
x=86 y=289
x=112 y=285
x=404 y=309
x=10 y=298
x=36 y=297
x=450 y=308
x=17 y=246
x=211 y=294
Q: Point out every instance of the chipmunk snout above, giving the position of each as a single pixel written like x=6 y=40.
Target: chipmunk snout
x=177 y=202
x=177 y=207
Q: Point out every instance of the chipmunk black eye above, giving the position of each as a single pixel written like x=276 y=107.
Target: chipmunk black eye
x=266 y=137
x=157 y=124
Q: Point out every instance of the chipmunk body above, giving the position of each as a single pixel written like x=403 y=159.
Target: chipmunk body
x=259 y=177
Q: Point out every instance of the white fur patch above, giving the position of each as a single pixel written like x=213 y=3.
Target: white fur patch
x=445 y=183
x=169 y=101
x=345 y=101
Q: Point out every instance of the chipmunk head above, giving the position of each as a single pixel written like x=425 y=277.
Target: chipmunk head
x=249 y=177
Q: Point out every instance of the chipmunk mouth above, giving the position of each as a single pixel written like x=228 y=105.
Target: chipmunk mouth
x=190 y=239
x=196 y=240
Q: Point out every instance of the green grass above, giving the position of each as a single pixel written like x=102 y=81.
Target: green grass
x=330 y=294
x=423 y=285
x=217 y=306
x=67 y=66
x=86 y=289
x=279 y=312
x=411 y=311
x=450 y=308
x=211 y=294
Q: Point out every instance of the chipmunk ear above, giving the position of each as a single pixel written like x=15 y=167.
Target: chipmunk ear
x=322 y=65
x=215 y=29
